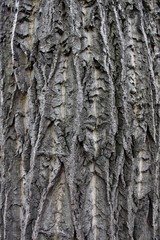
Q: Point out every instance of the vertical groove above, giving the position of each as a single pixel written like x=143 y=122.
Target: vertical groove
x=16 y=7
x=64 y=89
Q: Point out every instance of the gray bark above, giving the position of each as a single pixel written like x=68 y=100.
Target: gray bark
x=79 y=119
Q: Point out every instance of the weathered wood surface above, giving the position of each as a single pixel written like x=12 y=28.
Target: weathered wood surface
x=80 y=119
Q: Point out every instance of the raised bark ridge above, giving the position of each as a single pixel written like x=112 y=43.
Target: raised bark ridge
x=80 y=120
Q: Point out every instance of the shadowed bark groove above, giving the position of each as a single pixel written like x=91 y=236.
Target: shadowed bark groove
x=79 y=120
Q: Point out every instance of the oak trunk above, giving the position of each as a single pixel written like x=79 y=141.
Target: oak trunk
x=79 y=120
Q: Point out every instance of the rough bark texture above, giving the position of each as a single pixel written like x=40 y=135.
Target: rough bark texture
x=80 y=119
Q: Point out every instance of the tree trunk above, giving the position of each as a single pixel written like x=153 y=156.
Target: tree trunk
x=80 y=119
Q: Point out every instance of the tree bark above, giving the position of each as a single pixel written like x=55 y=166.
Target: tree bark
x=80 y=120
